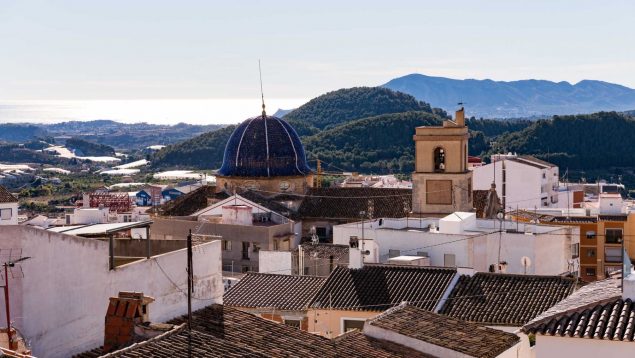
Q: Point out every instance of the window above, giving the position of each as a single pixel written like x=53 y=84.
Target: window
x=613 y=236
x=589 y=271
x=613 y=254
x=575 y=250
x=449 y=260
x=394 y=253
x=227 y=245
x=590 y=252
x=256 y=247
x=544 y=175
x=351 y=324
x=5 y=214
x=422 y=253
x=590 y=234
x=292 y=322
x=245 y=250
x=439 y=159
x=275 y=244
x=320 y=231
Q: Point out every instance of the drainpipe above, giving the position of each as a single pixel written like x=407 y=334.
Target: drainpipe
x=148 y=251
x=111 y=250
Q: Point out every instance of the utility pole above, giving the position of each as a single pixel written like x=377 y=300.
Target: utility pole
x=13 y=342
x=190 y=289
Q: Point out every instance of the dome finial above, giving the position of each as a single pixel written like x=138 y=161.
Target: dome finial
x=262 y=95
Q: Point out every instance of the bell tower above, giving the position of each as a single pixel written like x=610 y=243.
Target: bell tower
x=442 y=183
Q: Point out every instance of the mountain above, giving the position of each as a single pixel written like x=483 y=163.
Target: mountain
x=123 y=136
x=356 y=129
x=344 y=105
x=203 y=152
x=525 y=98
x=583 y=142
x=18 y=133
x=378 y=144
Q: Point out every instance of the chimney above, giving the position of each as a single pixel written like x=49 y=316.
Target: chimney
x=459 y=117
x=124 y=313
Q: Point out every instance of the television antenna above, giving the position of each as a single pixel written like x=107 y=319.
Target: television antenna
x=10 y=259
x=526 y=262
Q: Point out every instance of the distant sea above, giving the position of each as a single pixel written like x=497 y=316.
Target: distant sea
x=167 y=111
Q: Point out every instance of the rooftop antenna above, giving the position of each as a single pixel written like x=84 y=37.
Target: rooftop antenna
x=262 y=95
x=8 y=267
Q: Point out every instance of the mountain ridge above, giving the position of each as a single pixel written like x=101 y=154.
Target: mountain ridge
x=519 y=98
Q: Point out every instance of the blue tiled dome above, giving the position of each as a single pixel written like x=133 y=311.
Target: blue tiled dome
x=264 y=146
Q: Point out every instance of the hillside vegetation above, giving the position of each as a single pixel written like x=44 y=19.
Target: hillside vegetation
x=344 y=105
x=599 y=140
x=204 y=151
x=89 y=149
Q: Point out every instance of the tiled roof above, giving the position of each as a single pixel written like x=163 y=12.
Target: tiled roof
x=357 y=341
x=283 y=292
x=220 y=331
x=614 y=320
x=618 y=217
x=504 y=299
x=190 y=203
x=379 y=287
x=589 y=296
x=270 y=203
x=346 y=203
x=325 y=250
x=468 y=338
x=6 y=196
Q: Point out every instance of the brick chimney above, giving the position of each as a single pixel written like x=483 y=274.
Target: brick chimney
x=124 y=313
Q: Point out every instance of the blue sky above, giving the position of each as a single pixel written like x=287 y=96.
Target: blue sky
x=89 y=49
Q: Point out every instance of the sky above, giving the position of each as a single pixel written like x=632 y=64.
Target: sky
x=154 y=49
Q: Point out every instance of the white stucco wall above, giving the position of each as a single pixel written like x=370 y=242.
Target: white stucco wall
x=429 y=348
x=14 y=214
x=60 y=303
x=523 y=183
x=276 y=262
x=548 y=346
x=549 y=250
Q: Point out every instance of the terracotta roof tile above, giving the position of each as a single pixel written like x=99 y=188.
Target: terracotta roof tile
x=284 y=292
x=379 y=287
x=504 y=299
x=356 y=341
x=614 y=320
x=587 y=297
x=468 y=338
x=346 y=203
x=220 y=331
x=6 y=196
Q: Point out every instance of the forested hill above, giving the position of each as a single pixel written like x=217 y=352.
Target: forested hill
x=86 y=148
x=204 y=151
x=344 y=105
x=599 y=140
x=380 y=144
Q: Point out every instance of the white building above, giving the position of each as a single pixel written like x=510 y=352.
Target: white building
x=461 y=240
x=521 y=181
x=58 y=296
x=8 y=208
